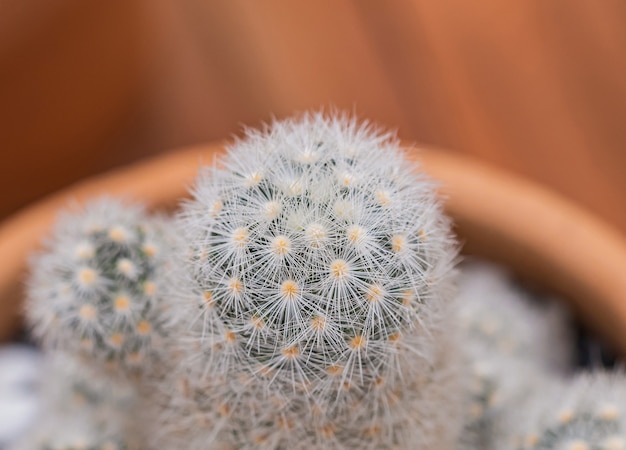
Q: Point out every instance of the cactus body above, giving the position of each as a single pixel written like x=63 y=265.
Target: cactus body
x=505 y=343
x=586 y=414
x=82 y=410
x=97 y=288
x=321 y=266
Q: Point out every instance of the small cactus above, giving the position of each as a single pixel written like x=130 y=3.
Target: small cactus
x=96 y=289
x=322 y=267
x=82 y=410
x=587 y=414
x=74 y=388
x=505 y=334
x=500 y=318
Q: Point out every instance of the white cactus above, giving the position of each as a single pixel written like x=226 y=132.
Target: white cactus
x=322 y=268
x=511 y=342
x=97 y=289
x=82 y=409
x=499 y=317
x=586 y=414
x=73 y=388
x=307 y=305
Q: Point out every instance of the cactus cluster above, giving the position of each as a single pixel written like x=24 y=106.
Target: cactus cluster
x=304 y=297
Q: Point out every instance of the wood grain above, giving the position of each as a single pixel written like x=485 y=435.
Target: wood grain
x=70 y=78
x=533 y=86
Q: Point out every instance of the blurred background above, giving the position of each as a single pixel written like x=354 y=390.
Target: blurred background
x=535 y=86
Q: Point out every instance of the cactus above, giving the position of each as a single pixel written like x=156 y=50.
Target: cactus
x=498 y=317
x=82 y=410
x=586 y=414
x=321 y=266
x=505 y=333
x=74 y=388
x=96 y=288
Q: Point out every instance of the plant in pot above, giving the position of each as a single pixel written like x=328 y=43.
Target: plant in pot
x=307 y=304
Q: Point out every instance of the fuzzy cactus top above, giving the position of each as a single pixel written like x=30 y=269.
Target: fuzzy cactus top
x=322 y=268
x=315 y=241
x=97 y=289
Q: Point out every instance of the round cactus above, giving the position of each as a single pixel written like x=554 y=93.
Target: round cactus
x=505 y=332
x=96 y=289
x=82 y=409
x=587 y=414
x=499 y=318
x=322 y=268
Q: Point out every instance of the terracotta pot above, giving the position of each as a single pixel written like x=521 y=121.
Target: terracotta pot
x=538 y=234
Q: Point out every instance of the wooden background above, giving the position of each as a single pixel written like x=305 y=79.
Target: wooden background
x=535 y=86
